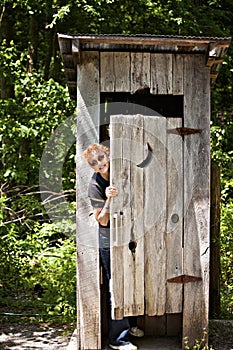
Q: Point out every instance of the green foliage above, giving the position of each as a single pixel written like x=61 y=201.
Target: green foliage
x=38 y=272
x=221 y=142
x=227 y=260
x=199 y=344
x=37 y=262
x=27 y=121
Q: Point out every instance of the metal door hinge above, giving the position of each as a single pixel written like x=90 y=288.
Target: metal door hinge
x=184 y=131
x=184 y=279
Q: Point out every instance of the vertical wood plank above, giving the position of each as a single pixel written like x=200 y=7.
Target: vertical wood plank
x=128 y=293
x=196 y=196
x=140 y=71
x=116 y=219
x=161 y=74
x=122 y=71
x=107 y=72
x=88 y=86
x=178 y=77
x=174 y=236
x=127 y=216
x=134 y=262
x=88 y=290
x=155 y=217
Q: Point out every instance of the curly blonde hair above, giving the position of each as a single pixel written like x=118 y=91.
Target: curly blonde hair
x=95 y=147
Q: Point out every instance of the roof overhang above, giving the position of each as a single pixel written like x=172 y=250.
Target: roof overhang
x=214 y=49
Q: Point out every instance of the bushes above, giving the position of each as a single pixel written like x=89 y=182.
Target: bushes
x=227 y=260
x=222 y=155
x=38 y=273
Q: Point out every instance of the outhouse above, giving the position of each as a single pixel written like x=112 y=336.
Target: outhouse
x=148 y=97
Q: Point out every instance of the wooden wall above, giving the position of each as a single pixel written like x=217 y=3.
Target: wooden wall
x=129 y=72
x=175 y=74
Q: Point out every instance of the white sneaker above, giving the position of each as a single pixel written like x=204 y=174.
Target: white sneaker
x=123 y=346
x=136 y=332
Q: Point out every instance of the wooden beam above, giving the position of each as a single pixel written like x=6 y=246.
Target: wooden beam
x=88 y=287
x=196 y=198
x=174 y=231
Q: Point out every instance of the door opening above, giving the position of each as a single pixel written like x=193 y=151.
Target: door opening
x=169 y=106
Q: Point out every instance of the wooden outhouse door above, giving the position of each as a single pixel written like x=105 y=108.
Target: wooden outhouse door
x=147 y=156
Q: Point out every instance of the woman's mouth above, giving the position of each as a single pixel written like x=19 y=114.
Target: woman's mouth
x=101 y=168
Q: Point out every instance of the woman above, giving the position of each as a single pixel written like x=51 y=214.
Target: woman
x=100 y=193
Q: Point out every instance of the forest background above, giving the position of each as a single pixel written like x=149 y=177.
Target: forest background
x=38 y=259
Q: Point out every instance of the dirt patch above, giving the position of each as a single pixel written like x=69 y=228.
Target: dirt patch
x=33 y=336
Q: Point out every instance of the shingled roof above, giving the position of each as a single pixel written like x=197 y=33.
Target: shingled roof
x=214 y=48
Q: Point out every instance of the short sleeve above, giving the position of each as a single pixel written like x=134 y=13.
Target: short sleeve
x=96 y=195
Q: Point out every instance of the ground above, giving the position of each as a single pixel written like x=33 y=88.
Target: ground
x=221 y=334
x=16 y=336
x=25 y=336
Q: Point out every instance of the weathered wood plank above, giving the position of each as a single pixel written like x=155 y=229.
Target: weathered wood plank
x=107 y=72
x=122 y=71
x=88 y=291
x=134 y=262
x=155 y=217
x=196 y=197
x=88 y=85
x=178 y=77
x=174 y=236
x=115 y=71
x=128 y=220
x=161 y=74
x=129 y=203
x=140 y=71
x=137 y=215
x=116 y=219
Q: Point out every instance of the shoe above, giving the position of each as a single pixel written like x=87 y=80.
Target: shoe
x=136 y=332
x=123 y=346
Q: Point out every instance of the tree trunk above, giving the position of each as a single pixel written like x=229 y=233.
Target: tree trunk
x=50 y=44
x=33 y=42
x=6 y=33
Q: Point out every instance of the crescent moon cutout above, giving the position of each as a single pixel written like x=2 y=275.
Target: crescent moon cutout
x=148 y=158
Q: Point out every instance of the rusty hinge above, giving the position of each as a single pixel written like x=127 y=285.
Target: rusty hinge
x=184 y=279
x=184 y=131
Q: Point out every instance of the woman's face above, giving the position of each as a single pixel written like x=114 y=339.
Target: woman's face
x=99 y=162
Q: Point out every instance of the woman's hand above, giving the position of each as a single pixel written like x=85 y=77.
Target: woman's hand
x=111 y=191
x=102 y=215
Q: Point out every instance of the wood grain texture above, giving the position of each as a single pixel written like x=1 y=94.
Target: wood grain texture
x=174 y=232
x=196 y=196
x=155 y=217
x=161 y=74
x=116 y=219
x=122 y=71
x=88 y=291
x=107 y=72
x=140 y=71
x=127 y=268
x=134 y=262
x=115 y=71
x=177 y=74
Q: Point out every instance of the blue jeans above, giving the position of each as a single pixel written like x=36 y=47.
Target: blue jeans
x=117 y=329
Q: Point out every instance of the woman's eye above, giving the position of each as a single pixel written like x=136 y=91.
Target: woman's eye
x=93 y=163
x=100 y=158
